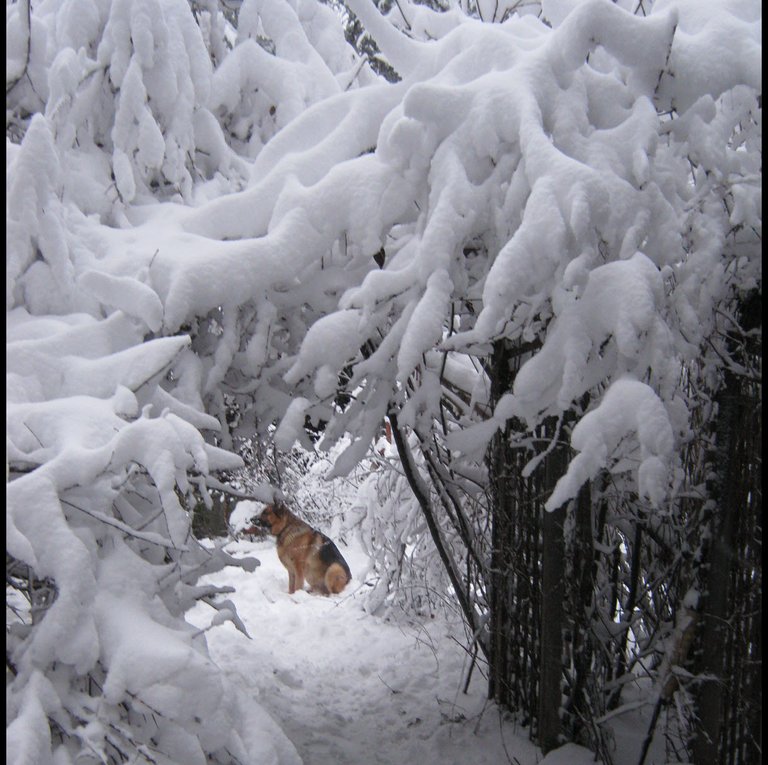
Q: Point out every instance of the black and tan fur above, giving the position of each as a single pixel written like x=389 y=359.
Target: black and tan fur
x=307 y=553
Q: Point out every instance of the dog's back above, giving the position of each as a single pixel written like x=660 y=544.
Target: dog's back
x=337 y=573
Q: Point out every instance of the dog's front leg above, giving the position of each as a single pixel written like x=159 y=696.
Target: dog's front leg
x=291 y=581
x=298 y=581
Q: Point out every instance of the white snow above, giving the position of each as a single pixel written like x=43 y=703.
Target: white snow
x=628 y=408
x=601 y=334
x=189 y=224
x=328 y=345
x=351 y=688
x=426 y=325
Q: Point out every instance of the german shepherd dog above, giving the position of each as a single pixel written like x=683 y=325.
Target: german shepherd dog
x=305 y=552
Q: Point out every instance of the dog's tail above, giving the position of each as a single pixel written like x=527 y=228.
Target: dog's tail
x=336 y=578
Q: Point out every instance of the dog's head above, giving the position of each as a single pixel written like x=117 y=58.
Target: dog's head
x=273 y=518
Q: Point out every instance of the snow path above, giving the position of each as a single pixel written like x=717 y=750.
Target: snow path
x=349 y=688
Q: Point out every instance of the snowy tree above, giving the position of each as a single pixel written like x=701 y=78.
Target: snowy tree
x=102 y=447
x=534 y=252
x=547 y=234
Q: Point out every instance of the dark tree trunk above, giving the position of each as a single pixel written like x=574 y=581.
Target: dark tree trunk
x=583 y=564
x=514 y=574
x=552 y=597
x=213 y=521
x=711 y=695
x=729 y=705
x=527 y=572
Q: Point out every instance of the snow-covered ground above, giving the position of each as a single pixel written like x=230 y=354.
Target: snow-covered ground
x=349 y=688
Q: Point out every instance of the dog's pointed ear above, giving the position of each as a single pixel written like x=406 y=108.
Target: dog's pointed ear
x=279 y=509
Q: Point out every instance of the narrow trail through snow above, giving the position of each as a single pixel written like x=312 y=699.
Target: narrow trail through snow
x=349 y=688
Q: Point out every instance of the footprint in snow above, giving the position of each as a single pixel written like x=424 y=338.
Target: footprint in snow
x=289 y=678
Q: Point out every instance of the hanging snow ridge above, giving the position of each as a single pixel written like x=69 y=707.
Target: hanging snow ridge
x=156 y=59
x=291 y=427
x=425 y=329
x=612 y=328
x=631 y=410
x=711 y=52
x=329 y=344
x=127 y=294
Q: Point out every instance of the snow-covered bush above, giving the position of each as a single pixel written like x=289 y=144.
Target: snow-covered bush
x=287 y=56
x=505 y=205
x=103 y=665
x=102 y=446
x=125 y=87
x=405 y=572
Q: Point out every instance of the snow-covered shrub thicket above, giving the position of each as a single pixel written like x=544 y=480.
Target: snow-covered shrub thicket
x=583 y=192
x=287 y=57
x=106 y=107
x=124 y=87
x=540 y=239
x=563 y=207
x=406 y=576
x=297 y=476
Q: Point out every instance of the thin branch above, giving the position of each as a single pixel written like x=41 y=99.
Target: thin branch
x=651 y=730
x=25 y=13
x=421 y=493
x=405 y=18
x=357 y=71
x=151 y=538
